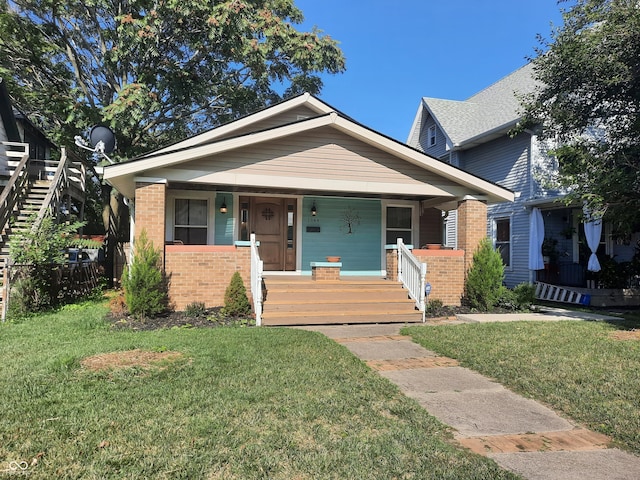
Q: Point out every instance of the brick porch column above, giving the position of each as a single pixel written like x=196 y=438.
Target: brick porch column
x=150 y=212
x=472 y=227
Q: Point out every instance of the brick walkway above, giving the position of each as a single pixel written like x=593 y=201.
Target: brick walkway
x=520 y=434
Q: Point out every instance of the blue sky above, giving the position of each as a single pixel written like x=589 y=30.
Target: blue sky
x=398 y=51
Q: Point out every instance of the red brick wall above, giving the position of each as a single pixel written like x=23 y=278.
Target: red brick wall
x=201 y=273
x=325 y=273
x=392 y=265
x=445 y=273
x=472 y=227
x=150 y=212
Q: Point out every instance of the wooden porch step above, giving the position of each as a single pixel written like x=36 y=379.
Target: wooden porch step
x=340 y=308
x=303 y=301
x=351 y=318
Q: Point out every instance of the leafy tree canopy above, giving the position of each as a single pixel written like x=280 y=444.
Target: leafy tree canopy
x=589 y=101
x=156 y=71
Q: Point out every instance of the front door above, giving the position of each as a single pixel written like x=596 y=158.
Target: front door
x=272 y=219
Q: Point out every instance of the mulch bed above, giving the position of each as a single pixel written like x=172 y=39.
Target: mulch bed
x=210 y=319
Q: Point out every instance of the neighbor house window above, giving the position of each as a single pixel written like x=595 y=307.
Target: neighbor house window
x=503 y=239
x=432 y=135
x=399 y=225
x=191 y=221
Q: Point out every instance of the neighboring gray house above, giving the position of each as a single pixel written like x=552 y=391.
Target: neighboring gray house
x=474 y=135
x=16 y=128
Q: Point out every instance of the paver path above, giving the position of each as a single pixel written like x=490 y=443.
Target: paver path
x=520 y=434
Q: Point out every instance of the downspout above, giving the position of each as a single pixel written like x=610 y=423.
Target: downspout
x=532 y=144
x=132 y=227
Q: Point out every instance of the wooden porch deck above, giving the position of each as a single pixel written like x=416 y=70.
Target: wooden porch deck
x=299 y=300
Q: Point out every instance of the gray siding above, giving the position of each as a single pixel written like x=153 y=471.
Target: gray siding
x=440 y=148
x=505 y=161
x=518 y=271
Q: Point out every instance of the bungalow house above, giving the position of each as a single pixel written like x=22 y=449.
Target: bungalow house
x=475 y=136
x=309 y=183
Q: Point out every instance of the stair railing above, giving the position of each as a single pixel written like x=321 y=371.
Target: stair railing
x=59 y=184
x=257 y=268
x=413 y=276
x=18 y=183
x=68 y=172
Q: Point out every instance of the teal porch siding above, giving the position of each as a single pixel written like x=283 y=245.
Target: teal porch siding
x=224 y=221
x=359 y=250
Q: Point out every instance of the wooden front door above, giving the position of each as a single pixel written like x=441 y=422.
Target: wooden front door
x=272 y=219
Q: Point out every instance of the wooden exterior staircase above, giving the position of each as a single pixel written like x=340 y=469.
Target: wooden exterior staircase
x=299 y=300
x=35 y=186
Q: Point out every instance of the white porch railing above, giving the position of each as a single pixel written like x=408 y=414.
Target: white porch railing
x=412 y=274
x=256 y=280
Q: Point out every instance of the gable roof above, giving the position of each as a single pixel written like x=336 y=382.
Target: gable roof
x=484 y=115
x=231 y=128
x=455 y=183
x=7 y=115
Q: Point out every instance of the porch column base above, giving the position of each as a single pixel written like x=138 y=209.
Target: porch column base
x=325 y=271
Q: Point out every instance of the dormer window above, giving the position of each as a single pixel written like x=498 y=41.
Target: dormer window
x=432 y=136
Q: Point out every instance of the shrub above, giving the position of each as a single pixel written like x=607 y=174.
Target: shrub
x=145 y=290
x=483 y=284
x=434 y=307
x=526 y=295
x=519 y=299
x=507 y=299
x=195 y=310
x=236 y=303
x=36 y=255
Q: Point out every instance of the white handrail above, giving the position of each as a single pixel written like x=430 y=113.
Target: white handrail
x=256 y=280
x=412 y=274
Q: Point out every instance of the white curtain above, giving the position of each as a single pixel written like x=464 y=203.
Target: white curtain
x=536 y=237
x=593 y=230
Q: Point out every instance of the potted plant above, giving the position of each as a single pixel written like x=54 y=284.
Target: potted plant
x=549 y=251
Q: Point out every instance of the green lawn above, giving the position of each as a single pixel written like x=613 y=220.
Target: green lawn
x=241 y=403
x=575 y=367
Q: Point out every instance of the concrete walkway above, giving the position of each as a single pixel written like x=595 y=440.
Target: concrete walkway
x=520 y=434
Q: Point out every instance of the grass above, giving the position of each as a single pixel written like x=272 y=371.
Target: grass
x=577 y=368
x=239 y=403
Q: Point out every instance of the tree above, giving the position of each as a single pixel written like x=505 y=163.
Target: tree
x=483 y=284
x=156 y=71
x=145 y=287
x=588 y=101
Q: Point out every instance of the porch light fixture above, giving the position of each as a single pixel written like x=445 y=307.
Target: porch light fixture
x=314 y=210
x=223 y=207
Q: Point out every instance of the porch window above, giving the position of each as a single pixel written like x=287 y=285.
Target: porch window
x=399 y=225
x=432 y=136
x=503 y=239
x=191 y=221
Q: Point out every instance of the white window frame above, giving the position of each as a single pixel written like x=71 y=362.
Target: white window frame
x=415 y=221
x=510 y=242
x=173 y=195
x=433 y=139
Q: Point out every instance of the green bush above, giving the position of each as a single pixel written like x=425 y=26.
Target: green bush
x=236 y=303
x=195 y=310
x=519 y=299
x=483 y=284
x=145 y=289
x=36 y=256
x=526 y=295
